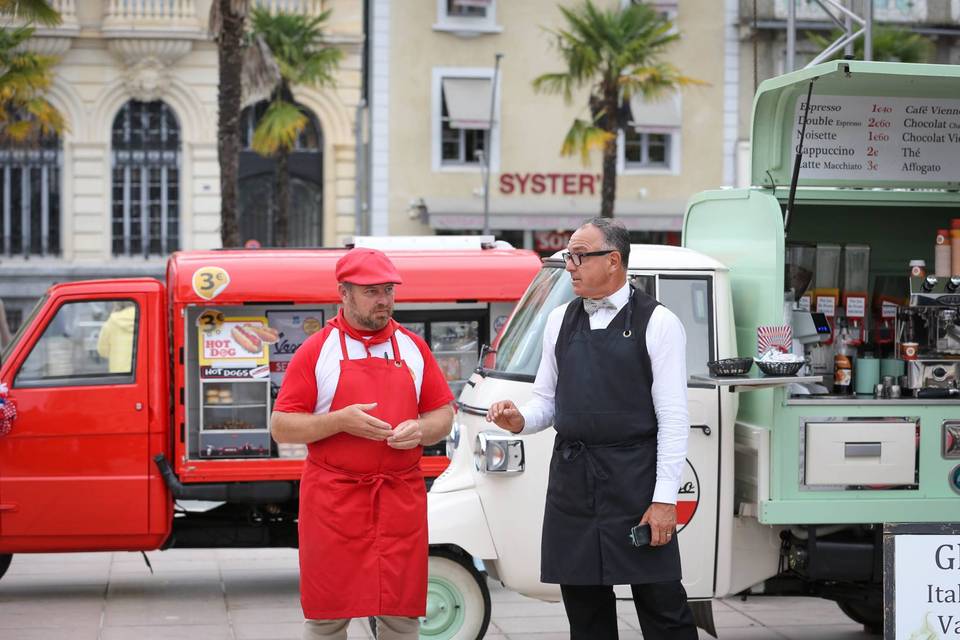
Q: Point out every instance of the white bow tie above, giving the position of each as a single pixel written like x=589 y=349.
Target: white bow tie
x=592 y=306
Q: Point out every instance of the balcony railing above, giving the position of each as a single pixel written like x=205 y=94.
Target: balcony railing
x=151 y=15
x=303 y=7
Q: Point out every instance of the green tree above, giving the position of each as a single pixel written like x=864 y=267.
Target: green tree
x=25 y=114
x=890 y=44
x=228 y=27
x=616 y=53
x=295 y=43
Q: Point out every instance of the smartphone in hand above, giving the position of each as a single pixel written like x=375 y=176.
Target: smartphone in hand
x=640 y=535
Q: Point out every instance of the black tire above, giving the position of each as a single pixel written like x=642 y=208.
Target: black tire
x=453 y=579
x=866 y=613
x=5 y=559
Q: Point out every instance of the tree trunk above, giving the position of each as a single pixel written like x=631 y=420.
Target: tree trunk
x=228 y=122
x=611 y=124
x=282 y=221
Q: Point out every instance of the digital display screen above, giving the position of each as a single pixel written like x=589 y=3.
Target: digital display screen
x=820 y=322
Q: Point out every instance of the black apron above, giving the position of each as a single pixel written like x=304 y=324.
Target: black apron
x=604 y=464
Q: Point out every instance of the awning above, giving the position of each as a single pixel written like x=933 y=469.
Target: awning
x=468 y=102
x=665 y=112
x=518 y=213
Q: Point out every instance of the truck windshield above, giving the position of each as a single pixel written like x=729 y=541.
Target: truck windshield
x=7 y=350
x=518 y=352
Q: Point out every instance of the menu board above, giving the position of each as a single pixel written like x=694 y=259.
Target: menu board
x=879 y=139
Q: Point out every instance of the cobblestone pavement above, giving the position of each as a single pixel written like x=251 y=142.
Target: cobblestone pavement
x=237 y=594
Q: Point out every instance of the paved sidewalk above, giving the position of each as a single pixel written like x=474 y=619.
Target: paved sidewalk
x=240 y=594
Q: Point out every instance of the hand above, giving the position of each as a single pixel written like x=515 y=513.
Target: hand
x=407 y=435
x=505 y=415
x=662 y=518
x=355 y=420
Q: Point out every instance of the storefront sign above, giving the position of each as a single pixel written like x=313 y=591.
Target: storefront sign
x=554 y=184
x=879 y=138
x=551 y=241
x=924 y=597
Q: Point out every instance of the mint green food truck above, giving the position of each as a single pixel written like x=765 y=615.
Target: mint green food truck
x=853 y=422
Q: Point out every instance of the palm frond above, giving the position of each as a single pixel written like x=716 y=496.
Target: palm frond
x=890 y=44
x=296 y=43
x=655 y=81
x=261 y=73
x=583 y=137
x=555 y=83
x=279 y=128
x=31 y=11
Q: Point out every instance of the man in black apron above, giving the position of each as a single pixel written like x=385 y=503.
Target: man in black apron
x=612 y=381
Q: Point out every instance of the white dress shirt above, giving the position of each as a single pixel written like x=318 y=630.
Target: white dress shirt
x=666 y=344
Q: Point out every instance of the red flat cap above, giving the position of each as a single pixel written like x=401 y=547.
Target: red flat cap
x=367 y=266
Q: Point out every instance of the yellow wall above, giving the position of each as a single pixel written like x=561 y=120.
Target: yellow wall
x=533 y=125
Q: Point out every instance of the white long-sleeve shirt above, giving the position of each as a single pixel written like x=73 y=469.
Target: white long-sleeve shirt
x=666 y=344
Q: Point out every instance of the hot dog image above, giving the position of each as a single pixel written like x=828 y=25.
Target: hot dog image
x=267 y=334
x=247 y=339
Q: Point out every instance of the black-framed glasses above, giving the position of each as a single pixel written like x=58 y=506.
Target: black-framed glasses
x=577 y=258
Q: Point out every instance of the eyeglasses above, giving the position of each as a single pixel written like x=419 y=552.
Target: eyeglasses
x=577 y=258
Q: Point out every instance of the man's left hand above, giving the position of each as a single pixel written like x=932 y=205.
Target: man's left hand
x=662 y=518
x=407 y=435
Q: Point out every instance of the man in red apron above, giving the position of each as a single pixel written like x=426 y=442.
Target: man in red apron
x=364 y=394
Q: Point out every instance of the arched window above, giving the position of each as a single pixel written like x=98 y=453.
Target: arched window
x=30 y=198
x=146 y=180
x=258 y=184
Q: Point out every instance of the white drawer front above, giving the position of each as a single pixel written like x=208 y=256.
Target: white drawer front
x=845 y=453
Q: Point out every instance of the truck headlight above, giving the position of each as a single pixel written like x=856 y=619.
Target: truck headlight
x=496 y=452
x=453 y=440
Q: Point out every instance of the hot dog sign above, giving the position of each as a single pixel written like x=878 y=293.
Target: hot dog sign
x=236 y=341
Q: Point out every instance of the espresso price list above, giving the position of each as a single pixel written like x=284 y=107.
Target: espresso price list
x=881 y=139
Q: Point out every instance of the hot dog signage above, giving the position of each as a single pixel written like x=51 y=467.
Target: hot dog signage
x=236 y=342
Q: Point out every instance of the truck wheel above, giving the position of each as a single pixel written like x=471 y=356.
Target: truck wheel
x=5 y=559
x=458 y=600
x=871 y=617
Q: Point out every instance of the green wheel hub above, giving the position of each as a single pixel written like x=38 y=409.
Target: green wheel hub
x=444 y=610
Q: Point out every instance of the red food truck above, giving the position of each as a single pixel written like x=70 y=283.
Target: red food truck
x=134 y=394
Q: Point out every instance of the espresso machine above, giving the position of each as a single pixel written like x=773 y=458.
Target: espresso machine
x=928 y=336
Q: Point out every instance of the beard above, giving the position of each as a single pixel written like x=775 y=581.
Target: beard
x=376 y=320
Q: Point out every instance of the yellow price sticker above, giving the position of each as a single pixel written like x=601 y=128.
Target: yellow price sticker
x=210 y=320
x=209 y=282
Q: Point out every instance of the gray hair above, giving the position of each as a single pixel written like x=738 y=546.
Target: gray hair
x=615 y=236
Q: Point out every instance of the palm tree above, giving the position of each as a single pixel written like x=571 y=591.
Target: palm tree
x=616 y=53
x=25 y=115
x=890 y=44
x=295 y=43
x=227 y=25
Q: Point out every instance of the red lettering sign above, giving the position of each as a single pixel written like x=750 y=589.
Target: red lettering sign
x=567 y=184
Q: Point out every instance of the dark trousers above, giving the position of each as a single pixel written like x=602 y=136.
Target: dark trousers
x=661 y=607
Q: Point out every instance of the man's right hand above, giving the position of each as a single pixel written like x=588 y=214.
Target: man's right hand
x=505 y=415
x=355 y=420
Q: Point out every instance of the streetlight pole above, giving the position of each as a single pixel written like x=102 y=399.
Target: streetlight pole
x=489 y=145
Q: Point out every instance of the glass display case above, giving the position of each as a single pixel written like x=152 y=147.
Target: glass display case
x=235 y=418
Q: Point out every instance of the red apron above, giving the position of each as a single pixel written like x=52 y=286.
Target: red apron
x=363 y=505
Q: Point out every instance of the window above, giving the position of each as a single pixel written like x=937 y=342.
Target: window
x=467 y=17
x=518 y=352
x=258 y=181
x=146 y=180
x=462 y=135
x=86 y=343
x=650 y=141
x=645 y=149
x=30 y=199
x=689 y=298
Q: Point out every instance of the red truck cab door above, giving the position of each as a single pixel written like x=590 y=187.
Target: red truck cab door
x=76 y=470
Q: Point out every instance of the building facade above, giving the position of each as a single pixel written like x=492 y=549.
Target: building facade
x=136 y=175
x=433 y=65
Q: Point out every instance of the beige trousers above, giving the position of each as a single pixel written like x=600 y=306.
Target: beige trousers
x=388 y=628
